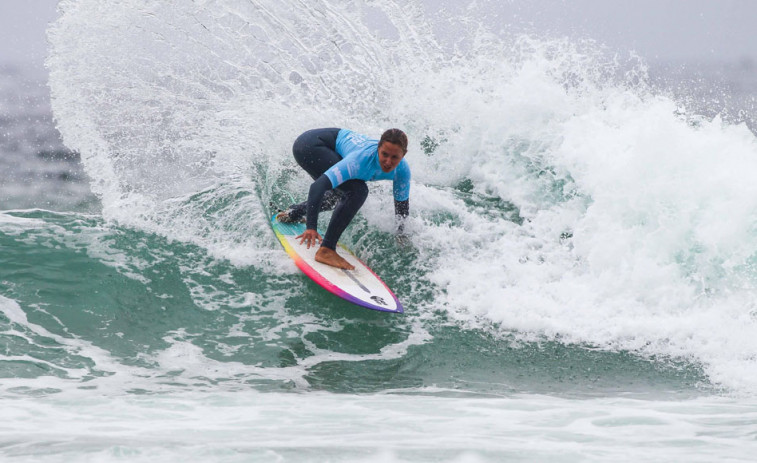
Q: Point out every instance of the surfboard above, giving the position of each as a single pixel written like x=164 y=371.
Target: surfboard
x=360 y=286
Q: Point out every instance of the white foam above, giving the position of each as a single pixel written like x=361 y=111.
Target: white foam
x=8 y=220
x=233 y=427
x=638 y=227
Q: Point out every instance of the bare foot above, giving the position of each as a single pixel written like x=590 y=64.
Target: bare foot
x=283 y=217
x=330 y=257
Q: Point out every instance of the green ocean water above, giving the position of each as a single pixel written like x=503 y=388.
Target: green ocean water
x=134 y=295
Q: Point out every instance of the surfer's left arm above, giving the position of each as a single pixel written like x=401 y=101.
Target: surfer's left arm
x=401 y=211
x=401 y=200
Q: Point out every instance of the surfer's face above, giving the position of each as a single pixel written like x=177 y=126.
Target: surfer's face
x=390 y=156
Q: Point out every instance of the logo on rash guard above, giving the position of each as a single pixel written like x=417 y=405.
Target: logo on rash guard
x=357 y=139
x=338 y=174
x=353 y=168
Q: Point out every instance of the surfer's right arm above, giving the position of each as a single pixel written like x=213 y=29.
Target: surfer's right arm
x=311 y=237
x=315 y=197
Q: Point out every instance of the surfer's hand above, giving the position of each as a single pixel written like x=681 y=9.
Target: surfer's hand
x=310 y=238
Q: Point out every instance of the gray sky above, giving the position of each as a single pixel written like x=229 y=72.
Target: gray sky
x=691 y=30
x=22 y=30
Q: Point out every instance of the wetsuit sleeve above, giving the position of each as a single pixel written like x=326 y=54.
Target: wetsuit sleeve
x=315 y=198
x=401 y=195
x=401 y=211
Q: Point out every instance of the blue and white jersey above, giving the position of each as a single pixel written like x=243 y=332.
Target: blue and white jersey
x=360 y=161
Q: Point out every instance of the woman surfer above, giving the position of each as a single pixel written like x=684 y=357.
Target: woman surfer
x=341 y=161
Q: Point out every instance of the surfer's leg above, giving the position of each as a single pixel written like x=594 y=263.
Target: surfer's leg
x=315 y=151
x=353 y=195
x=330 y=200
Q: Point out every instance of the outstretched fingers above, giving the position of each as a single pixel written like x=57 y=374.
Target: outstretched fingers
x=310 y=238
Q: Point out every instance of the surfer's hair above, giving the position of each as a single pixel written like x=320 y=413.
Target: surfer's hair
x=395 y=136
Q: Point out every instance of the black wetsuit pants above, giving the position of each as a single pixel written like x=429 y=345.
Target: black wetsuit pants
x=315 y=151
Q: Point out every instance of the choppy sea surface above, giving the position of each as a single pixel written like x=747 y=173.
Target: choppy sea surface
x=580 y=282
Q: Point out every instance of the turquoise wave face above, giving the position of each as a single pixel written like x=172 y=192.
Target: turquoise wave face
x=90 y=305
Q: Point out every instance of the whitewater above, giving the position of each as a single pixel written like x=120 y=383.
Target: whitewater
x=579 y=283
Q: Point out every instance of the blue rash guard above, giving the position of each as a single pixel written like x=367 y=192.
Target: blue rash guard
x=360 y=161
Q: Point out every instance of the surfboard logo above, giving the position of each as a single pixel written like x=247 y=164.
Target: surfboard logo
x=378 y=300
